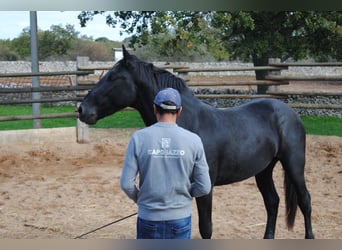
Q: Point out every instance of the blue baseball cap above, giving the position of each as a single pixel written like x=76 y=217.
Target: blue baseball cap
x=168 y=99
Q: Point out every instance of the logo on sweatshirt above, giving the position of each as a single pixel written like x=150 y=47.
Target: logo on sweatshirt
x=165 y=142
x=166 y=151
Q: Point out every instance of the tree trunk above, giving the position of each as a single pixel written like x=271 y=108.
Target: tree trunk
x=260 y=74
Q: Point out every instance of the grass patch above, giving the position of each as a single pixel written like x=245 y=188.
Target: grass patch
x=10 y=110
x=121 y=119
x=322 y=125
x=315 y=125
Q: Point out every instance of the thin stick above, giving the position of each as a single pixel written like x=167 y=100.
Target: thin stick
x=256 y=225
x=94 y=230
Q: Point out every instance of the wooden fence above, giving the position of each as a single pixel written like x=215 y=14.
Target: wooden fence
x=84 y=82
x=272 y=80
x=71 y=88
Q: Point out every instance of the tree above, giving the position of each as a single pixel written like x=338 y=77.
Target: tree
x=6 y=53
x=57 y=41
x=62 y=43
x=161 y=30
x=281 y=34
x=21 y=45
x=96 y=51
x=53 y=43
x=248 y=35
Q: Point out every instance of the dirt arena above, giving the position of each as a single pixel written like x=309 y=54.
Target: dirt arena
x=52 y=187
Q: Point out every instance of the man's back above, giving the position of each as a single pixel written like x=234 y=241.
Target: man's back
x=167 y=155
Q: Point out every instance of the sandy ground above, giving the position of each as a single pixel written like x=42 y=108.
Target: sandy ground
x=62 y=189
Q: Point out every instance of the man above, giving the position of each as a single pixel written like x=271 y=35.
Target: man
x=172 y=168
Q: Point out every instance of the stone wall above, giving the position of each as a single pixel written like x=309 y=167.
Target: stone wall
x=25 y=66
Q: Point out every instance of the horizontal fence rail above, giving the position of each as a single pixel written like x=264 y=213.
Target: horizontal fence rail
x=42 y=116
x=236 y=96
x=304 y=78
x=45 y=89
x=305 y=93
x=256 y=68
x=42 y=100
x=61 y=73
x=236 y=83
x=298 y=64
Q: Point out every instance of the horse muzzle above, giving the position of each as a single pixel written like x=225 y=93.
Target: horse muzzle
x=87 y=115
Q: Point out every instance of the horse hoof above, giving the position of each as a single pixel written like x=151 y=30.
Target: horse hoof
x=268 y=236
x=309 y=236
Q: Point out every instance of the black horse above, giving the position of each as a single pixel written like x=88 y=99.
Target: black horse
x=239 y=142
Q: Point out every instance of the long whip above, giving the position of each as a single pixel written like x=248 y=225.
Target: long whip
x=111 y=223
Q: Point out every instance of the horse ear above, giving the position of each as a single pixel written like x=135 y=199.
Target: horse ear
x=125 y=52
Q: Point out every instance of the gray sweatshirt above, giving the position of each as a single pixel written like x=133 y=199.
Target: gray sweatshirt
x=172 y=168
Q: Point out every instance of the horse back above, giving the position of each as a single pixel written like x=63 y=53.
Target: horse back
x=245 y=139
x=272 y=119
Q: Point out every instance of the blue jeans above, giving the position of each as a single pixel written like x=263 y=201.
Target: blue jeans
x=171 y=229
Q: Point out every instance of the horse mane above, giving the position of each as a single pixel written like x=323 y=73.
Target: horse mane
x=157 y=78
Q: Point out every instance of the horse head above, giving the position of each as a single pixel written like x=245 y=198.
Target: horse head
x=114 y=91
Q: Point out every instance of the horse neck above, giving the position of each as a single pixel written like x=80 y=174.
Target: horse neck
x=147 y=91
x=188 y=118
x=144 y=105
x=147 y=115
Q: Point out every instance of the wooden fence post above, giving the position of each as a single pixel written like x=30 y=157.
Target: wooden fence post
x=82 y=129
x=262 y=74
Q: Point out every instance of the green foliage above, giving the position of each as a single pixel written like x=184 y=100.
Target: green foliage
x=93 y=50
x=284 y=34
x=58 y=43
x=21 y=45
x=6 y=53
x=240 y=34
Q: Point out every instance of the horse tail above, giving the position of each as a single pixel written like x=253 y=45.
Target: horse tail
x=290 y=201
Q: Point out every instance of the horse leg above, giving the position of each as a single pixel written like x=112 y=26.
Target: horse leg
x=294 y=177
x=304 y=203
x=204 y=208
x=269 y=193
x=292 y=157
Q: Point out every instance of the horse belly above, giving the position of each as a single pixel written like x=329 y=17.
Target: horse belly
x=245 y=162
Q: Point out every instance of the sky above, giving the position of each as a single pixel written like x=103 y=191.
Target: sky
x=13 y=22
